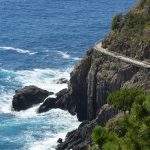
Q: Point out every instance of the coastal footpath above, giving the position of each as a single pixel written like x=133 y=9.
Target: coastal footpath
x=120 y=60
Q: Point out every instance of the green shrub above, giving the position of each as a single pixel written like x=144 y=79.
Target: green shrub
x=136 y=21
x=99 y=135
x=130 y=132
x=141 y=107
x=119 y=126
x=116 y=21
x=124 y=98
x=142 y=3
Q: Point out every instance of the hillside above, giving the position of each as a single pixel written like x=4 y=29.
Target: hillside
x=130 y=33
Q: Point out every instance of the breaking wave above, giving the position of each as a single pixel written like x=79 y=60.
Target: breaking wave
x=19 y=50
x=35 y=131
x=64 y=55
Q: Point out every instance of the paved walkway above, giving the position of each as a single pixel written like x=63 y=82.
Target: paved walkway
x=144 y=64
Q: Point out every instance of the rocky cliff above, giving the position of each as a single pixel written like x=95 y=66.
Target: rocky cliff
x=92 y=80
x=98 y=74
x=80 y=138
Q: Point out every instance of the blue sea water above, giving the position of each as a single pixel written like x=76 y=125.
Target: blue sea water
x=40 y=41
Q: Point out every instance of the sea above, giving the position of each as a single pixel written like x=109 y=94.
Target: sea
x=40 y=42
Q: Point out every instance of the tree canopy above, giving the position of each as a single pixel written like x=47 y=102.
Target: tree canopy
x=124 y=98
x=129 y=132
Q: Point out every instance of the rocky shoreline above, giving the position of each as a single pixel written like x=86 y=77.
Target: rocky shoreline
x=95 y=77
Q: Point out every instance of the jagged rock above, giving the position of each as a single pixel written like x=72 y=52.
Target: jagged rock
x=61 y=93
x=28 y=96
x=64 y=102
x=93 y=79
x=48 y=104
x=106 y=113
x=89 y=86
x=62 y=81
x=59 y=140
x=78 y=87
x=80 y=138
x=103 y=75
x=61 y=101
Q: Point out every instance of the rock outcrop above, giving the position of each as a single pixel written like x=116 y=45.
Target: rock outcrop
x=61 y=101
x=48 y=104
x=28 y=96
x=80 y=138
x=98 y=75
x=61 y=81
x=92 y=80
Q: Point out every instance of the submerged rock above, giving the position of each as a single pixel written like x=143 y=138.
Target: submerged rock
x=28 y=96
x=62 y=81
x=48 y=104
x=59 y=140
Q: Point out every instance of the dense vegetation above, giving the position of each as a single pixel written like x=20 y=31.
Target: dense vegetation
x=130 y=131
x=131 y=32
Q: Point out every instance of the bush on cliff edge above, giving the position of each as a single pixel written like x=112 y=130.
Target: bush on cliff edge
x=129 y=132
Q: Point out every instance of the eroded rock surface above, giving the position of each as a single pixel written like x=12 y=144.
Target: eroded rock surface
x=28 y=96
x=80 y=138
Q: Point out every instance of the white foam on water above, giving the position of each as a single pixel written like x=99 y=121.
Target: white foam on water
x=64 y=55
x=76 y=58
x=50 y=140
x=47 y=143
x=5 y=101
x=62 y=120
x=29 y=113
x=46 y=50
x=19 y=50
x=43 y=78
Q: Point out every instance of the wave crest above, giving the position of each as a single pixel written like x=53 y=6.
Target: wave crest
x=19 y=50
x=64 y=55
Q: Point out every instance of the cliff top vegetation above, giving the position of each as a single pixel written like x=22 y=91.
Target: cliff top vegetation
x=128 y=132
x=130 y=33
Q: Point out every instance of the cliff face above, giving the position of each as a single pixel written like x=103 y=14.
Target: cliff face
x=98 y=75
x=93 y=79
x=80 y=138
